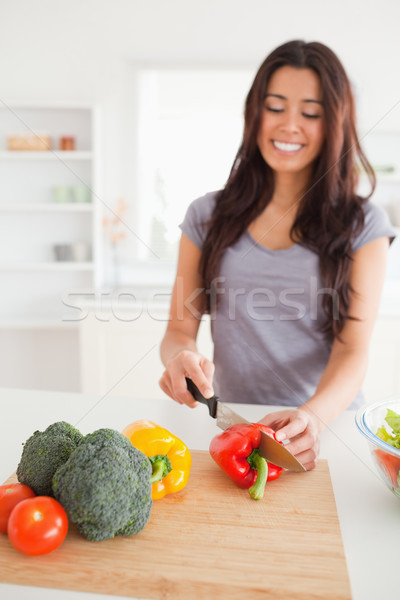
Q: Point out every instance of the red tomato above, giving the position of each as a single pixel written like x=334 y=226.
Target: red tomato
x=273 y=470
x=10 y=495
x=37 y=525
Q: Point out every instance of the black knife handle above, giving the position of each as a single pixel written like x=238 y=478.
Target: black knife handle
x=197 y=395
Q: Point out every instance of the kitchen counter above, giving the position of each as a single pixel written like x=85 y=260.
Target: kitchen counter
x=369 y=514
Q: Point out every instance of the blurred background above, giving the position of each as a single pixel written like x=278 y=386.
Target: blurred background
x=114 y=116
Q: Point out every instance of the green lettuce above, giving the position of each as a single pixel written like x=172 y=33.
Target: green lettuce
x=393 y=438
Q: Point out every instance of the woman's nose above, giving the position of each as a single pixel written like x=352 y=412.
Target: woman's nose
x=290 y=121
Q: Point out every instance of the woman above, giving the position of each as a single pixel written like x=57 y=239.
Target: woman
x=288 y=259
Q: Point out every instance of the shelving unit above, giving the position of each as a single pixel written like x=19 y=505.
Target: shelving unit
x=45 y=155
x=47 y=207
x=40 y=325
x=47 y=266
x=33 y=223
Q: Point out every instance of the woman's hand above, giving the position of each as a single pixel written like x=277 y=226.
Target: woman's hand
x=187 y=363
x=302 y=428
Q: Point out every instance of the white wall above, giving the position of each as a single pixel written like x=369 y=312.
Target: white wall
x=81 y=51
x=78 y=50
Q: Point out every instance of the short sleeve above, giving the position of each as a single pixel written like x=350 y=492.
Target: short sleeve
x=376 y=225
x=194 y=225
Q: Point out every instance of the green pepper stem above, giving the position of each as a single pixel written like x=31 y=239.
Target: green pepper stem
x=158 y=470
x=259 y=463
x=161 y=466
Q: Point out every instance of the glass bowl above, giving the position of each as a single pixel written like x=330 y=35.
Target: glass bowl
x=385 y=457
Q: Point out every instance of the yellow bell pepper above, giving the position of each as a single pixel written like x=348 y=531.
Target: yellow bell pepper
x=170 y=457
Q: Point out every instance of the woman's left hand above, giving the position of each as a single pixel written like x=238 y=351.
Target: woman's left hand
x=302 y=428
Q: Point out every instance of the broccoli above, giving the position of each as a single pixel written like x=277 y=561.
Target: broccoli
x=43 y=453
x=105 y=486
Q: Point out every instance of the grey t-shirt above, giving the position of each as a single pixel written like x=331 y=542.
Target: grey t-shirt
x=268 y=348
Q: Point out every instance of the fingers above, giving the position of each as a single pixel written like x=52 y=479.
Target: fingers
x=208 y=368
x=166 y=385
x=308 y=459
x=277 y=420
x=296 y=424
x=182 y=396
x=300 y=430
x=187 y=364
x=305 y=448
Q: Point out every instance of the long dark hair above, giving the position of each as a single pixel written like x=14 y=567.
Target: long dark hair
x=330 y=212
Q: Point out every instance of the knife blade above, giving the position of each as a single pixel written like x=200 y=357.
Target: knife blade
x=269 y=448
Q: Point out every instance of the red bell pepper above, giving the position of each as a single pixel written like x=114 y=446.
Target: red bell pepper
x=236 y=452
x=273 y=470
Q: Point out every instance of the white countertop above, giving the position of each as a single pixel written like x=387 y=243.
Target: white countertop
x=369 y=514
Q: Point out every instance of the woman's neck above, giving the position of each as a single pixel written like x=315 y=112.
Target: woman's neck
x=289 y=188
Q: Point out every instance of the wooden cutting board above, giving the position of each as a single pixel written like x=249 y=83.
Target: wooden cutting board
x=208 y=541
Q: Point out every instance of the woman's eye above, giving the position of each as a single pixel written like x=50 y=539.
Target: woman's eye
x=275 y=110
x=311 y=116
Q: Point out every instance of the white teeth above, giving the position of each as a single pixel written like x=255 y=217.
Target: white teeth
x=287 y=147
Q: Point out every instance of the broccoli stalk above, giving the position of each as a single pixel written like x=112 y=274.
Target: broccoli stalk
x=105 y=486
x=43 y=453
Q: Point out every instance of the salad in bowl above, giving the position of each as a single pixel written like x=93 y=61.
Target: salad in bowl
x=380 y=424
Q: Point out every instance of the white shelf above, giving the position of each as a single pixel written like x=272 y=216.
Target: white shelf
x=45 y=155
x=48 y=207
x=47 y=266
x=37 y=324
x=33 y=223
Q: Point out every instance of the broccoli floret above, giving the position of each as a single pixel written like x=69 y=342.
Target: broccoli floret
x=105 y=486
x=43 y=453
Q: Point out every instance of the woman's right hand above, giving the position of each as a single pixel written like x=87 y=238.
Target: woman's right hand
x=187 y=363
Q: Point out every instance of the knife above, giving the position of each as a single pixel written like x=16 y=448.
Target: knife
x=269 y=448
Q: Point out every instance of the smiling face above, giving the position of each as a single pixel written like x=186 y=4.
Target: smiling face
x=291 y=131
